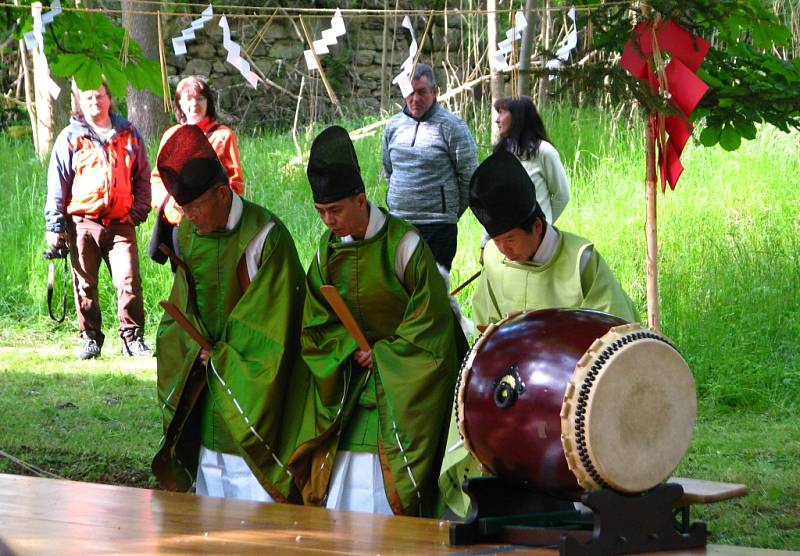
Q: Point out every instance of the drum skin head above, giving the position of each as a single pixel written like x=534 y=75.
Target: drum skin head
x=629 y=411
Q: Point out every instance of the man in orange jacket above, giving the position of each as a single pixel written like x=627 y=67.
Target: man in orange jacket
x=98 y=191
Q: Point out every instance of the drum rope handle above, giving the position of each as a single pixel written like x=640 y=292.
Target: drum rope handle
x=586 y=387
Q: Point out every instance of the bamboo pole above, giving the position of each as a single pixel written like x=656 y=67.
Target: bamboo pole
x=322 y=75
x=651 y=232
x=421 y=44
x=651 y=227
x=296 y=116
x=162 y=61
x=495 y=80
x=384 y=45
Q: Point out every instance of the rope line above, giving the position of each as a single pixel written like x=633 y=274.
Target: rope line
x=29 y=466
x=268 y=12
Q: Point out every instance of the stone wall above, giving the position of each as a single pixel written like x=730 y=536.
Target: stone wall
x=353 y=66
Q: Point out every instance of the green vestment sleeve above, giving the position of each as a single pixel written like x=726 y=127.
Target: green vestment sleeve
x=603 y=292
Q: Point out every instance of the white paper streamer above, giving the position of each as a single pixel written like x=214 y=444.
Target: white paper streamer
x=571 y=42
x=234 y=57
x=329 y=38
x=403 y=79
x=42 y=68
x=30 y=38
x=498 y=60
x=179 y=43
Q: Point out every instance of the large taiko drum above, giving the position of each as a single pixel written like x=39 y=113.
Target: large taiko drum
x=569 y=400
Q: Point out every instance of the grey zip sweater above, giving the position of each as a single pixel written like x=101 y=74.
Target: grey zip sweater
x=428 y=164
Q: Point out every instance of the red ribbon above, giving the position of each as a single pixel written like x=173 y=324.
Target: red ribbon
x=686 y=53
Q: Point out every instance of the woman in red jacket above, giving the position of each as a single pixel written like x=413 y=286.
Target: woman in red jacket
x=194 y=104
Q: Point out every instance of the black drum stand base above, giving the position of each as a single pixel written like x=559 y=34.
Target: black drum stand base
x=618 y=523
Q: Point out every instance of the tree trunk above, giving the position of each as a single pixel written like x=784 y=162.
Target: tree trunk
x=497 y=78
x=145 y=109
x=544 y=80
x=51 y=114
x=524 y=83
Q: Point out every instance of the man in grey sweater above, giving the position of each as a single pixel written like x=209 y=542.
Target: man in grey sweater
x=428 y=158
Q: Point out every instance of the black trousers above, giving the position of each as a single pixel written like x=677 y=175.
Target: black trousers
x=443 y=240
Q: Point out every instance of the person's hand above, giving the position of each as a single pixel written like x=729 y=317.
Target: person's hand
x=53 y=238
x=363 y=358
x=204 y=355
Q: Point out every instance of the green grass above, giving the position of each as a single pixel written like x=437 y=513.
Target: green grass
x=92 y=421
x=761 y=451
x=729 y=282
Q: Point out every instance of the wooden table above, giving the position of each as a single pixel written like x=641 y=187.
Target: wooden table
x=46 y=516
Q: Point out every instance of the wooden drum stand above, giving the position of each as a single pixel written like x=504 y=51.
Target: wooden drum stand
x=618 y=524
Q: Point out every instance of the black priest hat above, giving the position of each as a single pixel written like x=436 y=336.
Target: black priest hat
x=333 y=170
x=501 y=194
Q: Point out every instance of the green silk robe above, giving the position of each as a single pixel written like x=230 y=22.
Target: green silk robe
x=235 y=403
x=507 y=286
x=399 y=410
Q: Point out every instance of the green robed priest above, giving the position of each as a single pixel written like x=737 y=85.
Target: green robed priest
x=239 y=282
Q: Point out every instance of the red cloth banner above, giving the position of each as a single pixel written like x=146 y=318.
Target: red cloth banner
x=686 y=53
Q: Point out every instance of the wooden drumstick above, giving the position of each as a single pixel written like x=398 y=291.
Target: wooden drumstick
x=173 y=257
x=339 y=307
x=172 y=310
x=466 y=283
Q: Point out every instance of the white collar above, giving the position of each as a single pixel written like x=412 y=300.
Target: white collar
x=236 y=211
x=376 y=221
x=547 y=248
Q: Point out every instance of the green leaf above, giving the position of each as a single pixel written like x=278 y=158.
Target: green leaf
x=710 y=135
x=115 y=78
x=89 y=75
x=66 y=65
x=709 y=79
x=730 y=139
x=745 y=128
x=147 y=73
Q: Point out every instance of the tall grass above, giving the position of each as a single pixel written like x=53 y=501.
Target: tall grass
x=729 y=263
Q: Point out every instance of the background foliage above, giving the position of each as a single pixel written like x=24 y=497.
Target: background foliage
x=752 y=69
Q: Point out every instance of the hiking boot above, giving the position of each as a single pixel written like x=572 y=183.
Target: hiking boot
x=91 y=347
x=136 y=348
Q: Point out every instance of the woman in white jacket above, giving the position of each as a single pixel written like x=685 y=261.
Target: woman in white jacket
x=522 y=133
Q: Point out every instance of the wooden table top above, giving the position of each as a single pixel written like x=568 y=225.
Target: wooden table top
x=47 y=516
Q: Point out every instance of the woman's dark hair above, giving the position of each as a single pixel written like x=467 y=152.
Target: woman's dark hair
x=198 y=86
x=527 y=128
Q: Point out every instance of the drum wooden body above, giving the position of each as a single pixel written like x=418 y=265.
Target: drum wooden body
x=567 y=400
